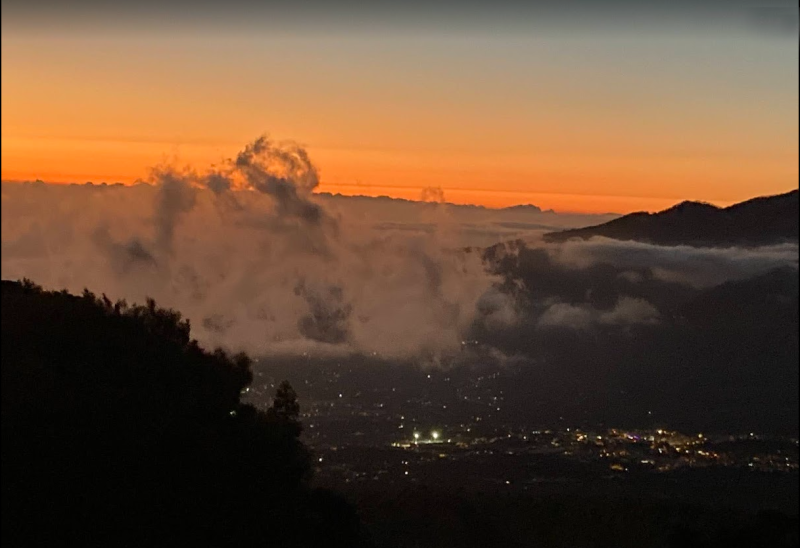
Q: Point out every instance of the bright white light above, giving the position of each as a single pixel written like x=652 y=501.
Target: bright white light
x=435 y=435
x=416 y=435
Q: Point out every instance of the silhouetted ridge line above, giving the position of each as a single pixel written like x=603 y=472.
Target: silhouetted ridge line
x=759 y=221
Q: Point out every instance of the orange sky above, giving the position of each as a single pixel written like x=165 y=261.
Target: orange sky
x=571 y=124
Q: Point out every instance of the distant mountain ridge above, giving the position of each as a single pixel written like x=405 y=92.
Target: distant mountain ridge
x=530 y=208
x=759 y=221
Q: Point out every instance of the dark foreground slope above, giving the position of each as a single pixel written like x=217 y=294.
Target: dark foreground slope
x=118 y=430
x=432 y=517
x=760 y=221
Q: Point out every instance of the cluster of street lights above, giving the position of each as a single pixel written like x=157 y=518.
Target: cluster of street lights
x=435 y=435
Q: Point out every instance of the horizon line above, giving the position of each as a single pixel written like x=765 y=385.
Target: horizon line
x=333 y=193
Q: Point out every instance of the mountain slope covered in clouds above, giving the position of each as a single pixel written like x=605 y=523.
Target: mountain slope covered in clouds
x=760 y=221
x=611 y=343
x=604 y=330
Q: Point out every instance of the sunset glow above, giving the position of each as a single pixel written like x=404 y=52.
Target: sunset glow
x=497 y=120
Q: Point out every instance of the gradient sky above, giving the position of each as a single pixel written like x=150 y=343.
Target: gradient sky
x=576 y=110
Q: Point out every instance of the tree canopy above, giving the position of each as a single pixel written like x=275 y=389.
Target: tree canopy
x=119 y=429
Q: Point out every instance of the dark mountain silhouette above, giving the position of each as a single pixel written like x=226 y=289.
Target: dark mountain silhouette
x=760 y=221
x=720 y=359
x=119 y=430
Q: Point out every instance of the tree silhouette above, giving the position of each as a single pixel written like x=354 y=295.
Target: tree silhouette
x=119 y=429
x=285 y=410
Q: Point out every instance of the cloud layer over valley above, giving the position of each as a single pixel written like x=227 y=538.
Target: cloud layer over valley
x=260 y=262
